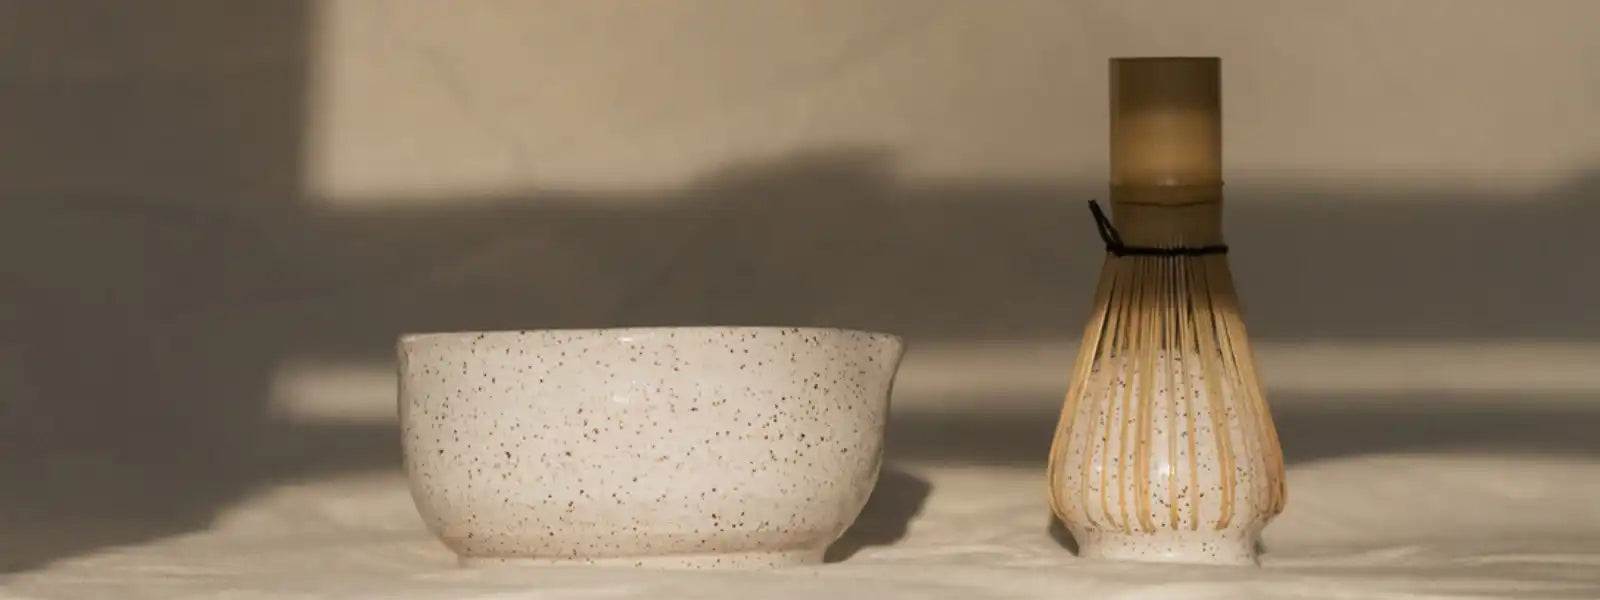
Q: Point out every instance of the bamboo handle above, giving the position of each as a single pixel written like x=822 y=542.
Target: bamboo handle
x=1166 y=124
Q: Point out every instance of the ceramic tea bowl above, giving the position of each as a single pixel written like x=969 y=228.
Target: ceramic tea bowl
x=738 y=447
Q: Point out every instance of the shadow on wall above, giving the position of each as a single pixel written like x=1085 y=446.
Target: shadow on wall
x=179 y=388
x=150 y=163
x=140 y=331
x=832 y=237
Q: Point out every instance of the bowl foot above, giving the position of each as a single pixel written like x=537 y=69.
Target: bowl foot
x=732 y=560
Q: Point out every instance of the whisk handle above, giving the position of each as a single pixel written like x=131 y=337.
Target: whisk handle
x=1166 y=122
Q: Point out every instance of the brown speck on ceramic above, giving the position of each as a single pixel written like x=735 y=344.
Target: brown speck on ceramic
x=700 y=447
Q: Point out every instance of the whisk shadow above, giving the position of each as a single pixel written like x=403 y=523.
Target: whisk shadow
x=1061 y=536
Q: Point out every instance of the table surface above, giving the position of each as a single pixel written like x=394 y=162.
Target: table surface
x=1396 y=526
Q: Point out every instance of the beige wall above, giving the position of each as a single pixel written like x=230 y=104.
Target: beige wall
x=423 y=98
x=216 y=215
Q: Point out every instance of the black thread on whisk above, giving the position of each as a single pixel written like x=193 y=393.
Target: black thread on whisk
x=1114 y=245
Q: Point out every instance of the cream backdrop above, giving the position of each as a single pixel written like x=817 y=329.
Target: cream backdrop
x=214 y=218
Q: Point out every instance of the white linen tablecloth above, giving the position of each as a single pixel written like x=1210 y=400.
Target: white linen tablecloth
x=1377 y=527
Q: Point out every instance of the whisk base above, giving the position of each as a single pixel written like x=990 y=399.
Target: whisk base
x=1186 y=547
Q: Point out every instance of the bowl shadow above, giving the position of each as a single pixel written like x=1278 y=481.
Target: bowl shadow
x=895 y=501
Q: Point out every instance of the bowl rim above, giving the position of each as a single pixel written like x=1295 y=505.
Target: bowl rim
x=414 y=338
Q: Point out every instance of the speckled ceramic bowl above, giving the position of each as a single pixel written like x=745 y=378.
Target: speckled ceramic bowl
x=691 y=446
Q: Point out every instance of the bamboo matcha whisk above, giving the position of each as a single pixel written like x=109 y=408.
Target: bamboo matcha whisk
x=1165 y=449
